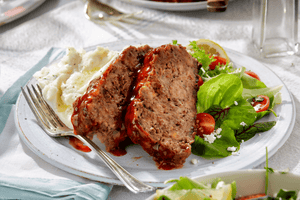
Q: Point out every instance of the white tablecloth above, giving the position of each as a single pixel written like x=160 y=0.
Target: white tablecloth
x=62 y=23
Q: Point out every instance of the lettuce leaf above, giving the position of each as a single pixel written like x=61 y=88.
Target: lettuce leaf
x=251 y=83
x=187 y=183
x=201 y=56
x=188 y=189
x=222 y=91
x=248 y=81
x=193 y=194
x=271 y=92
x=207 y=74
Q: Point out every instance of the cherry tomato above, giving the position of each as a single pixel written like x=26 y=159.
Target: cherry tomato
x=219 y=60
x=261 y=103
x=200 y=81
x=252 y=74
x=205 y=124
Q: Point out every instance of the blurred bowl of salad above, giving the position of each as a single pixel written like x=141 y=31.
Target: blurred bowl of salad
x=240 y=184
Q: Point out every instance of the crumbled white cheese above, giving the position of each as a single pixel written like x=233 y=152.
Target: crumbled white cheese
x=236 y=103
x=209 y=138
x=233 y=148
x=213 y=136
x=220 y=185
x=257 y=107
x=243 y=124
x=218 y=131
x=194 y=161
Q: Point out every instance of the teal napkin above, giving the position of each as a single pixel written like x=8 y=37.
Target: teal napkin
x=47 y=189
x=10 y=97
x=12 y=187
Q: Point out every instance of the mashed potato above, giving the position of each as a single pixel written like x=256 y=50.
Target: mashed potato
x=68 y=79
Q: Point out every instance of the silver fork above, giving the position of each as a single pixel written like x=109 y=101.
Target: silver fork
x=96 y=10
x=54 y=127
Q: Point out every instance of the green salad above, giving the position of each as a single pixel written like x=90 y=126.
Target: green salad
x=188 y=189
x=233 y=101
x=185 y=188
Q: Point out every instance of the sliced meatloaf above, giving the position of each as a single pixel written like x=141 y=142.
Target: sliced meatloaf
x=101 y=110
x=161 y=117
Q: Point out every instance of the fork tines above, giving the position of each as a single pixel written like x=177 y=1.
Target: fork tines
x=40 y=108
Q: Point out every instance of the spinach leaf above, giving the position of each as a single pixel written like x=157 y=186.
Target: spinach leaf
x=234 y=116
x=282 y=194
x=218 y=149
x=262 y=114
x=240 y=115
x=247 y=132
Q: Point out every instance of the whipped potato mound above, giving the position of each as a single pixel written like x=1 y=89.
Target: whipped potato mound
x=68 y=79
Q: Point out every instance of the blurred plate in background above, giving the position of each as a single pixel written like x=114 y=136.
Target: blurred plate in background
x=12 y=10
x=170 y=6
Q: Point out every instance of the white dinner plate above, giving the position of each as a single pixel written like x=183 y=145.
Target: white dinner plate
x=12 y=10
x=168 y=5
x=59 y=153
x=251 y=182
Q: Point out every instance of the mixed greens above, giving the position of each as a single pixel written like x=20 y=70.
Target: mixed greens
x=188 y=189
x=227 y=94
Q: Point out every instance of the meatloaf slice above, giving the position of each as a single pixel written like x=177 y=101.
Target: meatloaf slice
x=101 y=110
x=161 y=117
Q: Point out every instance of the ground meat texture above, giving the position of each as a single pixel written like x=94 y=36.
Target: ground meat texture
x=161 y=117
x=101 y=110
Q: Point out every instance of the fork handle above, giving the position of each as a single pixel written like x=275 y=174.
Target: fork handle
x=129 y=181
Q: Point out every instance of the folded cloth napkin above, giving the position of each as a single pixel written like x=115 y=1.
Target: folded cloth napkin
x=52 y=182
x=40 y=189
x=11 y=95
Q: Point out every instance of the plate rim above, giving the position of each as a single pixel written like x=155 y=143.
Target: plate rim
x=157 y=184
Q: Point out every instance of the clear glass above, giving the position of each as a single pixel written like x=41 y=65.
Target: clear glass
x=275 y=27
